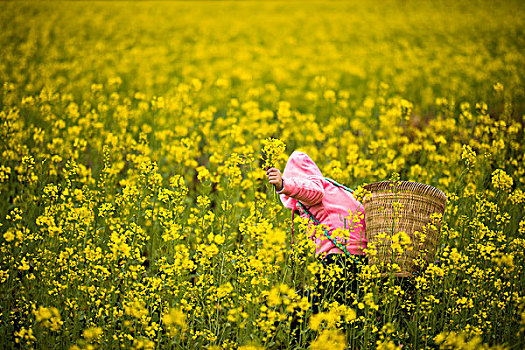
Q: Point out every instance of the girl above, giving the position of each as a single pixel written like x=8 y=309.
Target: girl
x=302 y=187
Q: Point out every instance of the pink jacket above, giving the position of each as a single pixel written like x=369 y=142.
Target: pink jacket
x=304 y=182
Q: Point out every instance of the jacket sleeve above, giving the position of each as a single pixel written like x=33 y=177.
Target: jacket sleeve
x=309 y=190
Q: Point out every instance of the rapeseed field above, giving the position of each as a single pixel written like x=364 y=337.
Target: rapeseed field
x=134 y=208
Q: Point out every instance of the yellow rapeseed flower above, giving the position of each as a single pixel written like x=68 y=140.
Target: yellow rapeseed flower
x=272 y=149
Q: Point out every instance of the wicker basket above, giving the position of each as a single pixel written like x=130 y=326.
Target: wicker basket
x=402 y=206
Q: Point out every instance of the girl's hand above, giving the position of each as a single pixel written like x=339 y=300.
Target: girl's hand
x=275 y=178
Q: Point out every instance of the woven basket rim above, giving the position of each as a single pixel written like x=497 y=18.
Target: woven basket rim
x=403 y=186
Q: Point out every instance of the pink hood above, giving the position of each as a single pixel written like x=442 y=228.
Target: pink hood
x=299 y=165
